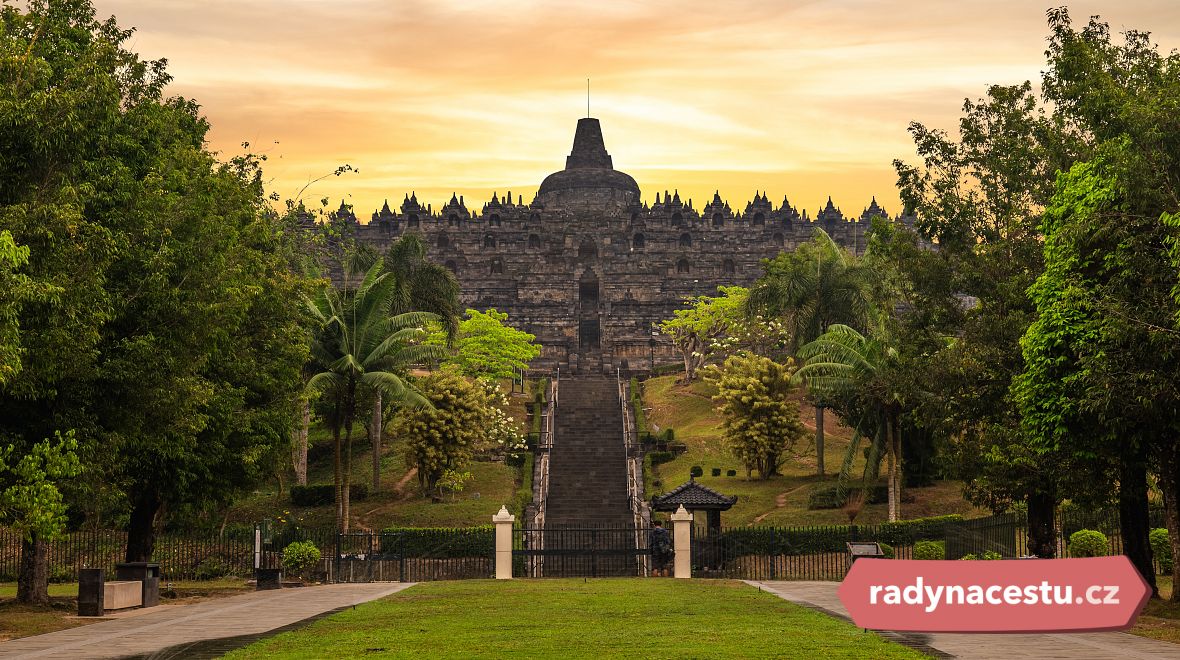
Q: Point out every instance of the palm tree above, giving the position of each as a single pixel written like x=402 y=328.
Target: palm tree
x=812 y=288
x=418 y=285
x=844 y=364
x=362 y=347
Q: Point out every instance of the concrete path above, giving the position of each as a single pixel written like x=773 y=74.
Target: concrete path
x=1071 y=646
x=153 y=630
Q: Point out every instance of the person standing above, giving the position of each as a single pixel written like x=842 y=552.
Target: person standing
x=660 y=544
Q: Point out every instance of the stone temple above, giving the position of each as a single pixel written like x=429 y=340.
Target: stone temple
x=589 y=267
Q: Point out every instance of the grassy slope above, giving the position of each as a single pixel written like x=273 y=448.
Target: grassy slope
x=578 y=619
x=781 y=500
x=491 y=486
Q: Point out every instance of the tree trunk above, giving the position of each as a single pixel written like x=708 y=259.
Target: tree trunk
x=1134 y=524
x=32 y=585
x=376 y=427
x=819 y=440
x=141 y=528
x=1169 y=484
x=898 y=462
x=339 y=462
x=892 y=469
x=687 y=366
x=1042 y=524
x=299 y=451
x=346 y=491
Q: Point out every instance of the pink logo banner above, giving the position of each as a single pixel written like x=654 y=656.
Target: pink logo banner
x=1010 y=595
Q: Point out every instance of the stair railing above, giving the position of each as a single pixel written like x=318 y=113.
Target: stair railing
x=640 y=511
x=544 y=448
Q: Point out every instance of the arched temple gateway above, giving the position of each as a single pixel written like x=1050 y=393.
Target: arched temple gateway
x=589 y=267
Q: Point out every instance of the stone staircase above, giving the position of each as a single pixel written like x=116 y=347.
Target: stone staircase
x=589 y=527
x=588 y=464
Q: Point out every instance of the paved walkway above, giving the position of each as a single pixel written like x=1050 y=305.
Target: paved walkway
x=164 y=627
x=1096 y=646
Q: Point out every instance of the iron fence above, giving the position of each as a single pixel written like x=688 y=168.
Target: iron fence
x=412 y=555
x=820 y=552
x=180 y=557
x=581 y=552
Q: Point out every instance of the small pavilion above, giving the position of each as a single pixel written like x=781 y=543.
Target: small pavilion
x=695 y=497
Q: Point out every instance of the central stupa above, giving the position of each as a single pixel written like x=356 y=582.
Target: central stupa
x=589 y=180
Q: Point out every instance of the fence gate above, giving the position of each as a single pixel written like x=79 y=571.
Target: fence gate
x=580 y=552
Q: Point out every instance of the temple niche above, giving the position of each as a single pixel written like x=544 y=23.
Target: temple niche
x=589 y=267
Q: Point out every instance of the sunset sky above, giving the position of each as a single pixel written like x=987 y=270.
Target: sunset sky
x=797 y=98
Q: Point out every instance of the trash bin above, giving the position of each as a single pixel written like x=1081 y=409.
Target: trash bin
x=268 y=578
x=143 y=571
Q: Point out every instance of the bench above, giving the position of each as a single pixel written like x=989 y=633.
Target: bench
x=136 y=585
x=122 y=594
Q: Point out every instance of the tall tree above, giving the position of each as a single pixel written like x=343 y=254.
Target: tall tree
x=815 y=286
x=980 y=199
x=165 y=347
x=696 y=329
x=842 y=363
x=487 y=347
x=364 y=348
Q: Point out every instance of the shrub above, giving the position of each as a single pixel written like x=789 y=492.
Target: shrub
x=660 y=457
x=324 y=494
x=299 y=556
x=1161 y=547
x=212 y=568
x=833 y=538
x=669 y=435
x=1088 y=543
x=731 y=473
x=888 y=550
x=697 y=471
x=439 y=542
x=716 y=472
x=930 y=550
x=985 y=555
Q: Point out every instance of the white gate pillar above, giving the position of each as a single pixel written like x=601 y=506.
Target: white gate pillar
x=682 y=543
x=503 y=521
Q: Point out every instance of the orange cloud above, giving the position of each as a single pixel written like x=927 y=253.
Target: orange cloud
x=797 y=98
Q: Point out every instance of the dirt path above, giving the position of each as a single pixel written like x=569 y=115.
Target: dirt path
x=401 y=484
x=780 y=501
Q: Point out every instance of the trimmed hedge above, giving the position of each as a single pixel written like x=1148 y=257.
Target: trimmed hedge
x=439 y=542
x=637 y=407
x=660 y=457
x=808 y=540
x=324 y=494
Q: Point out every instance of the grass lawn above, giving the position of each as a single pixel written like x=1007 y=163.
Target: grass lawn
x=18 y=620
x=1160 y=619
x=781 y=500
x=606 y=618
